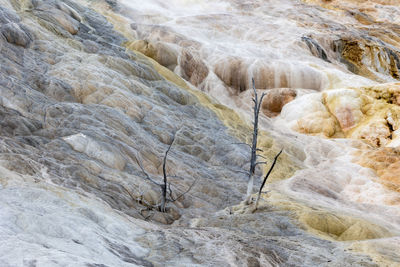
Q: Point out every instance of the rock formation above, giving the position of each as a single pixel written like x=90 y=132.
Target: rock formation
x=92 y=93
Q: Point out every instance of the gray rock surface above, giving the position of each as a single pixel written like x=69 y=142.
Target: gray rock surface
x=77 y=114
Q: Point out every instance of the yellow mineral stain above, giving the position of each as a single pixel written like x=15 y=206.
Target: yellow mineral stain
x=236 y=125
x=285 y=167
x=381 y=113
x=120 y=23
x=323 y=223
x=344 y=121
x=371 y=114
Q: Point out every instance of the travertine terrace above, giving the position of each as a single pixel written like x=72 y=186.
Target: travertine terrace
x=93 y=92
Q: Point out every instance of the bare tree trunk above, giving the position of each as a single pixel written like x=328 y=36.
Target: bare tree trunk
x=253 y=158
x=250 y=184
x=164 y=185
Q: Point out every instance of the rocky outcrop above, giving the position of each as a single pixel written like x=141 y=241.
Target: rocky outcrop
x=77 y=115
x=275 y=99
x=12 y=30
x=162 y=53
x=368 y=113
x=368 y=57
x=237 y=73
x=57 y=16
x=193 y=68
x=87 y=113
x=369 y=50
x=316 y=49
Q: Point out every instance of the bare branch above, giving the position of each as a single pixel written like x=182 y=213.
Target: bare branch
x=141 y=201
x=266 y=176
x=145 y=173
x=169 y=189
x=270 y=169
x=184 y=193
x=254 y=89
x=260 y=102
x=164 y=186
x=261 y=162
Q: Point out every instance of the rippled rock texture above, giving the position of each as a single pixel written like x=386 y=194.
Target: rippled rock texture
x=92 y=94
x=366 y=113
x=365 y=47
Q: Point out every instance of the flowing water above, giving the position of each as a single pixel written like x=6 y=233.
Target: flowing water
x=239 y=40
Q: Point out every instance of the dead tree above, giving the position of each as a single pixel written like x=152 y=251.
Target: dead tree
x=253 y=157
x=254 y=149
x=253 y=146
x=165 y=184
